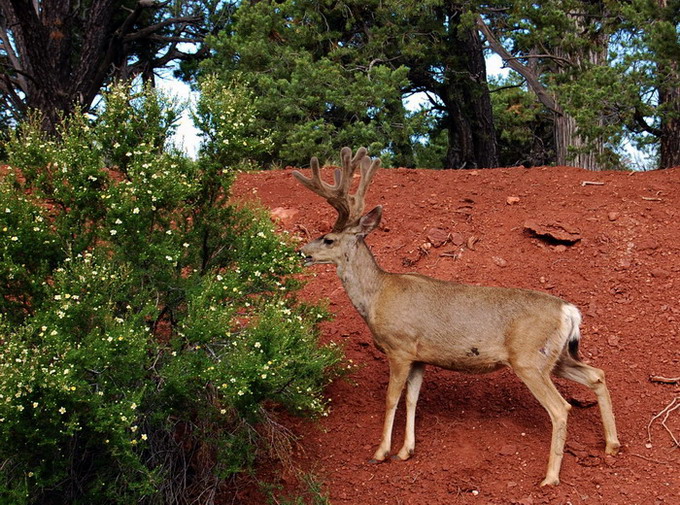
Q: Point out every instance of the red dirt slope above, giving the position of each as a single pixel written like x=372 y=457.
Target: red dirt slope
x=484 y=439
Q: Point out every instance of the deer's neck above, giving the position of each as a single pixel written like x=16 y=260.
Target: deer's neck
x=361 y=276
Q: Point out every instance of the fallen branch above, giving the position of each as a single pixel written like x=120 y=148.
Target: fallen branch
x=652 y=199
x=673 y=405
x=591 y=183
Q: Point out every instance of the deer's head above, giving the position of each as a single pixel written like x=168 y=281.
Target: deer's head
x=350 y=227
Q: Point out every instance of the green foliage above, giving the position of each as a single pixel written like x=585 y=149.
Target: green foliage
x=147 y=324
x=313 y=98
x=612 y=66
x=523 y=126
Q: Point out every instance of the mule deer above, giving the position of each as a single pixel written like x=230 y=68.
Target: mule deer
x=417 y=320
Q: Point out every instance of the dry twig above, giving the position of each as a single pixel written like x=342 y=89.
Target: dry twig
x=664 y=380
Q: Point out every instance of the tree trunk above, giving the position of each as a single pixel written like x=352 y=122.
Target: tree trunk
x=669 y=103
x=571 y=148
x=670 y=128
x=471 y=131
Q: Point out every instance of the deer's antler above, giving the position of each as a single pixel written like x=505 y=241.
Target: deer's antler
x=349 y=207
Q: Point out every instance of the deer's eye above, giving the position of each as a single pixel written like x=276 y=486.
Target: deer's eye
x=328 y=241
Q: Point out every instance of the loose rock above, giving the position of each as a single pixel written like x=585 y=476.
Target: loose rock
x=556 y=231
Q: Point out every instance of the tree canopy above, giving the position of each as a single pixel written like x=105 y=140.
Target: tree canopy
x=56 y=55
x=588 y=77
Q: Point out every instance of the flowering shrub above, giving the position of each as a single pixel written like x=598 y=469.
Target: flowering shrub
x=147 y=326
x=226 y=115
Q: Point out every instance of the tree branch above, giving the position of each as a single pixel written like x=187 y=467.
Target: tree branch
x=149 y=30
x=642 y=123
x=532 y=79
x=544 y=56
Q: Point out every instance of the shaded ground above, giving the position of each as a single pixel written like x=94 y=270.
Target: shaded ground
x=484 y=439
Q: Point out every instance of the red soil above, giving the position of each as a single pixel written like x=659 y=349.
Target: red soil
x=484 y=439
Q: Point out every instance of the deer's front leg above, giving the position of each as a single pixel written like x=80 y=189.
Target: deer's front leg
x=399 y=372
x=415 y=380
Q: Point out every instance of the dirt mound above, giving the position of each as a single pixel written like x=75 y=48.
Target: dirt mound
x=608 y=242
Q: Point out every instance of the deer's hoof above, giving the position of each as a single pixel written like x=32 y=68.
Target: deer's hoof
x=403 y=455
x=613 y=448
x=376 y=459
x=550 y=481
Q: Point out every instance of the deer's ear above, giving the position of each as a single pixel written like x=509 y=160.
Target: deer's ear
x=370 y=221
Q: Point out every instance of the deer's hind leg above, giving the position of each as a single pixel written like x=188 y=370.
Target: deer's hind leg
x=539 y=383
x=573 y=369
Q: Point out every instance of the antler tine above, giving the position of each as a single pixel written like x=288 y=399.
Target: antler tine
x=349 y=207
x=368 y=168
x=314 y=183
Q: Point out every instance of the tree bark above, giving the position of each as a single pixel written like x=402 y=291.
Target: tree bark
x=570 y=147
x=669 y=152
x=669 y=103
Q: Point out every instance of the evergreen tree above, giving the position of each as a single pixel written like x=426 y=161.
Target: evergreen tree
x=608 y=72
x=335 y=73
x=56 y=55
x=650 y=69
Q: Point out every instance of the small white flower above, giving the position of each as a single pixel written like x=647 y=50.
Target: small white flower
x=169 y=258
x=258 y=345
x=62 y=411
x=135 y=210
x=113 y=232
x=118 y=221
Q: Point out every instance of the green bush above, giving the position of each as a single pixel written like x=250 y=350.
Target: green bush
x=148 y=326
